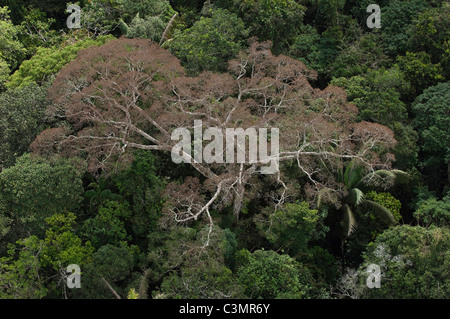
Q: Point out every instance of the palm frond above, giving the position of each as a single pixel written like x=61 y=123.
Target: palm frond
x=349 y=221
x=384 y=214
x=401 y=177
x=390 y=177
x=168 y=27
x=356 y=196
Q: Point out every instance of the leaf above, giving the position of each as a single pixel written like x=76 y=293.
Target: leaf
x=356 y=196
x=382 y=212
x=349 y=220
x=106 y=194
x=401 y=177
x=90 y=193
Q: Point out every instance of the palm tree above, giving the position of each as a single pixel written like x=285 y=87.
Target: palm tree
x=357 y=184
x=99 y=193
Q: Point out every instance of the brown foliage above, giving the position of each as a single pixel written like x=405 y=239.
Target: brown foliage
x=130 y=93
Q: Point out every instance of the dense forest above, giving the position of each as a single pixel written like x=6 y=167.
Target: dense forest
x=87 y=169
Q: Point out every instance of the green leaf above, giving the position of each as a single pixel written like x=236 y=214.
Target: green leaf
x=356 y=196
x=349 y=220
x=384 y=214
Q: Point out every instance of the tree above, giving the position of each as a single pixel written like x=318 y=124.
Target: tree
x=360 y=57
x=414 y=262
x=379 y=96
x=36 y=31
x=47 y=62
x=141 y=185
x=203 y=274
x=291 y=228
x=11 y=50
x=356 y=184
x=434 y=212
x=135 y=93
x=325 y=13
x=272 y=20
x=98 y=193
x=4 y=74
x=420 y=71
x=210 y=42
x=36 y=188
x=431 y=119
x=35 y=268
x=109 y=268
x=108 y=225
x=146 y=18
x=22 y=118
x=150 y=20
x=20 y=269
x=430 y=33
x=397 y=18
x=268 y=275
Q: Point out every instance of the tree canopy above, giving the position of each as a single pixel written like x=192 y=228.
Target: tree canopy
x=226 y=149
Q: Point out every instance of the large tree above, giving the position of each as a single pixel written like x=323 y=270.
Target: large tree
x=131 y=94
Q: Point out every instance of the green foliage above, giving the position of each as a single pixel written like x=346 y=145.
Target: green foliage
x=317 y=51
x=141 y=187
x=274 y=20
x=36 y=31
x=20 y=271
x=431 y=33
x=49 y=61
x=33 y=267
x=22 y=113
x=388 y=201
x=61 y=247
x=34 y=189
x=360 y=57
x=415 y=263
x=211 y=280
x=291 y=228
x=146 y=18
x=397 y=17
x=432 y=120
x=4 y=73
x=98 y=193
x=145 y=8
x=11 y=49
x=201 y=273
x=210 y=42
x=327 y=10
x=151 y=19
x=110 y=265
x=434 y=212
x=268 y=275
x=420 y=71
x=379 y=97
x=151 y=27
x=357 y=186
x=108 y=225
